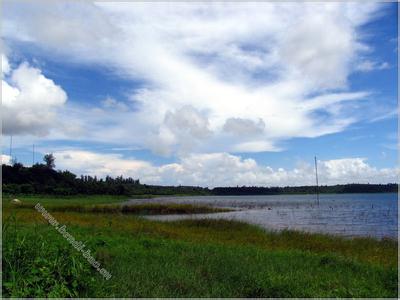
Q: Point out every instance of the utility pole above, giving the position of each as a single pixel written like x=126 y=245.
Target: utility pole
x=10 y=147
x=316 y=178
x=33 y=154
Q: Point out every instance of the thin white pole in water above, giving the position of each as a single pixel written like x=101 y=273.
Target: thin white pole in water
x=316 y=178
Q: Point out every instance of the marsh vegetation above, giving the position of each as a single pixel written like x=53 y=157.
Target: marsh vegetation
x=188 y=258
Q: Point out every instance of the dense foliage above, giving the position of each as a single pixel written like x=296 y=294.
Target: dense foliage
x=334 y=189
x=43 y=179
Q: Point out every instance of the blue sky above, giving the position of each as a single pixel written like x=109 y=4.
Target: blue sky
x=204 y=94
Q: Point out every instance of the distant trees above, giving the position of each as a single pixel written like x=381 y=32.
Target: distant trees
x=333 y=189
x=44 y=179
x=49 y=160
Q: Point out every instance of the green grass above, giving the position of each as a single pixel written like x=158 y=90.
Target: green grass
x=191 y=258
x=143 y=209
x=101 y=204
x=136 y=209
x=50 y=200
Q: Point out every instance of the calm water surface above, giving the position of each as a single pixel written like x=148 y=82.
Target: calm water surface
x=343 y=214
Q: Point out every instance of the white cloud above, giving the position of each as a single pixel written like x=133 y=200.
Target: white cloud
x=242 y=61
x=222 y=169
x=389 y=113
x=97 y=164
x=186 y=126
x=368 y=65
x=238 y=126
x=6 y=159
x=29 y=101
x=111 y=103
x=255 y=146
x=349 y=168
x=5 y=66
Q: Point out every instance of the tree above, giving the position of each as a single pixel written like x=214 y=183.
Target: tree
x=49 y=160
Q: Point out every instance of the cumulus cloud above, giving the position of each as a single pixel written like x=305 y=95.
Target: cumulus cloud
x=222 y=169
x=98 y=164
x=5 y=66
x=186 y=126
x=238 y=126
x=196 y=56
x=6 y=159
x=255 y=146
x=29 y=100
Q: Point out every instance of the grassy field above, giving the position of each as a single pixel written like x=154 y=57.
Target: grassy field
x=192 y=258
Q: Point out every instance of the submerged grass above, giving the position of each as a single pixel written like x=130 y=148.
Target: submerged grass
x=190 y=258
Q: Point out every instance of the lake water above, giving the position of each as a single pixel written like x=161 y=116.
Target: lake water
x=348 y=215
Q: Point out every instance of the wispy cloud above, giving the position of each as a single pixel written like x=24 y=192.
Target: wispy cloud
x=386 y=115
x=204 y=67
x=368 y=65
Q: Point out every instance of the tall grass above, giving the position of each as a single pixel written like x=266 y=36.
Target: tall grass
x=39 y=263
x=138 y=209
x=34 y=266
x=380 y=252
x=191 y=258
x=51 y=200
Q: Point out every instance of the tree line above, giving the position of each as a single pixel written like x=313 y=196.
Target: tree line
x=332 y=189
x=44 y=179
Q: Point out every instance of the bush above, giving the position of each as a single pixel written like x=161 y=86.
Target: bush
x=11 y=188
x=27 y=189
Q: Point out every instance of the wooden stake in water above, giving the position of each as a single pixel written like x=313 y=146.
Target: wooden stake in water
x=316 y=178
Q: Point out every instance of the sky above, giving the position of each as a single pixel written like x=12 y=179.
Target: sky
x=207 y=94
